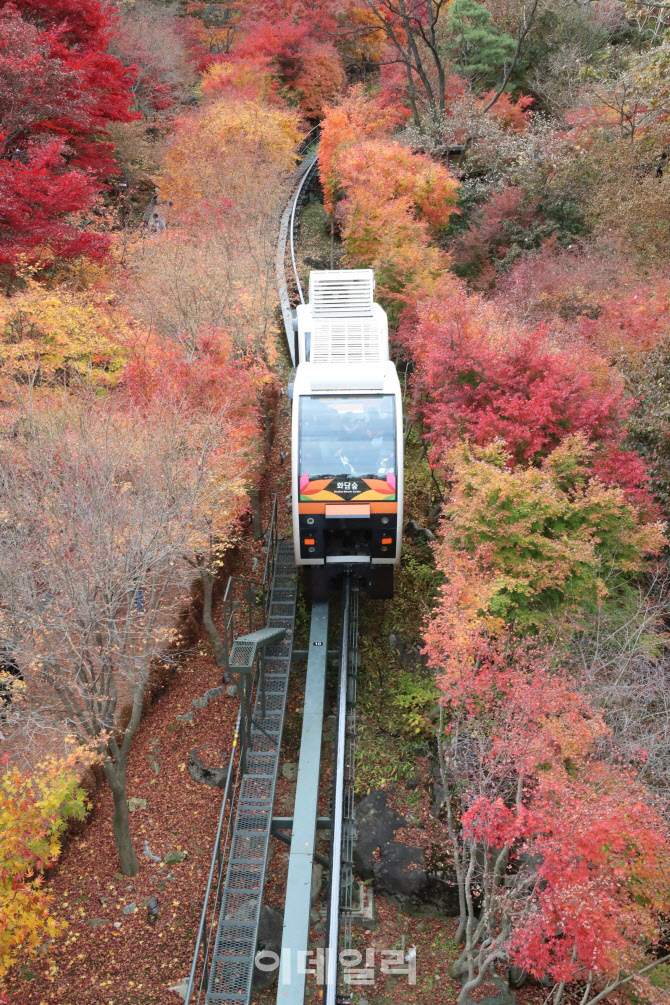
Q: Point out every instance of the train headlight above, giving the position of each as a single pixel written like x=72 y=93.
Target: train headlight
x=310 y=520
x=385 y=519
x=311 y=549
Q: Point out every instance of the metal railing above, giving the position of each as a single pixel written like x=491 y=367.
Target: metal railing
x=297 y=203
x=288 y=220
x=256 y=594
x=246 y=601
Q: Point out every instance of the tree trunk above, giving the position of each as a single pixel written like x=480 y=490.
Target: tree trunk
x=207 y=620
x=256 y=515
x=121 y=821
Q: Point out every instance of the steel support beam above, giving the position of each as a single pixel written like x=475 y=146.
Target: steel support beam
x=295 y=937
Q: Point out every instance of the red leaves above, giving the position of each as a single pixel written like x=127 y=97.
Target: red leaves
x=58 y=89
x=587 y=852
x=519 y=390
x=35 y=198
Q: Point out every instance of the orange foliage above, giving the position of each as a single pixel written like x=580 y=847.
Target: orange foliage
x=363 y=41
x=511 y=114
x=395 y=202
x=249 y=80
x=358 y=117
x=305 y=66
x=264 y=138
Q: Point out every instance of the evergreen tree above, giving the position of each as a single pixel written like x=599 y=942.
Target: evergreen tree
x=476 y=45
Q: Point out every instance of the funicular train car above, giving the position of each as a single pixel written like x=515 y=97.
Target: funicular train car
x=347 y=439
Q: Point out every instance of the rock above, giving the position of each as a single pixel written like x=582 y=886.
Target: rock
x=214 y=692
x=117 y=925
x=516 y=977
x=314 y=916
x=98 y=922
x=146 y=851
x=174 y=856
x=411 y=657
x=232 y=690
x=186 y=717
x=270 y=926
x=398 y=870
x=199 y=772
x=427 y=534
x=200 y=702
x=136 y=803
x=504 y=996
x=180 y=989
x=320 y=927
x=317 y=882
x=129 y=908
x=289 y=771
x=412 y=528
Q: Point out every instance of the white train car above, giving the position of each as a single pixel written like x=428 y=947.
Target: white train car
x=347 y=437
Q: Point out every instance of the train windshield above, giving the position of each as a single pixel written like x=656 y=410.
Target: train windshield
x=348 y=435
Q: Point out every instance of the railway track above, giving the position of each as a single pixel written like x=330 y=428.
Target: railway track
x=339 y=907
x=226 y=944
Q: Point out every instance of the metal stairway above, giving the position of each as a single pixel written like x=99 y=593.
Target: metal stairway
x=232 y=962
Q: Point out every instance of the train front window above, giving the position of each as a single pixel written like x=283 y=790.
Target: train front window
x=347 y=435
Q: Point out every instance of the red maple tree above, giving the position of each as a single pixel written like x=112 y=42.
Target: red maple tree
x=59 y=88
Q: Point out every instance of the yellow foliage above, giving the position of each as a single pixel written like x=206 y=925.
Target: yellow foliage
x=59 y=336
x=245 y=78
x=33 y=812
x=260 y=139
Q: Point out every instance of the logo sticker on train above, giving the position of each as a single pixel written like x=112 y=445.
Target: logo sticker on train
x=343 y=489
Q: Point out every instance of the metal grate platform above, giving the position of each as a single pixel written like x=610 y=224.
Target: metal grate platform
x=232 y=963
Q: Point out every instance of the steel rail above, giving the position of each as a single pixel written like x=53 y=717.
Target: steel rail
x=288 y=218
x=296 y=203
x=336 y=843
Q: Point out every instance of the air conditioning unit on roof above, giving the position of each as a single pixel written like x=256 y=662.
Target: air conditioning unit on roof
x=344 y=293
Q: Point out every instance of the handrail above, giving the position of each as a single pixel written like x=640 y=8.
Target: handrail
x=264 y=587
x=217 y=859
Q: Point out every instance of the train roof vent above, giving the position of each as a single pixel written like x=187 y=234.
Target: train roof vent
x=348 y=340
x=341 y=293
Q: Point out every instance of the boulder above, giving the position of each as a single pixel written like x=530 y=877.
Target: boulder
x=270 y=926
x=503 y=997
x=215 y=778
x=180 y=989
x=174 y=856
x=398 y=870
